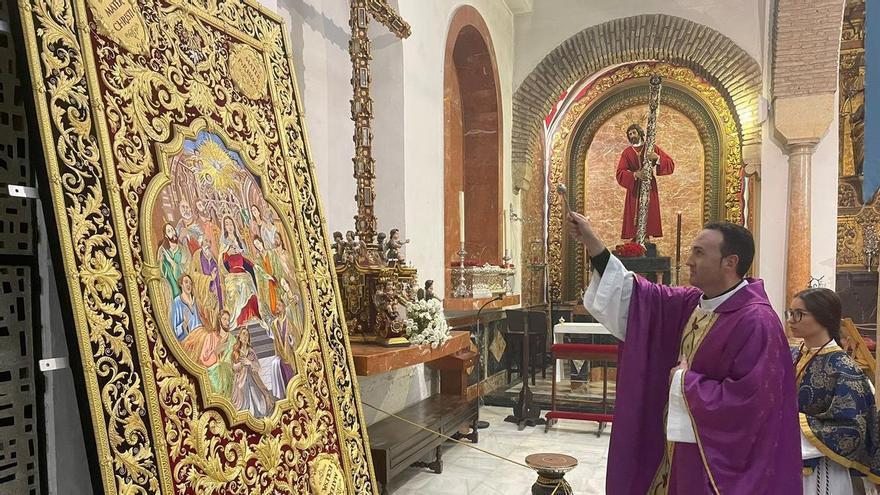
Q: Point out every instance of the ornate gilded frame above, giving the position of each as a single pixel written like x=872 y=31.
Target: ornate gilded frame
x=565 y=144
x=112 y=78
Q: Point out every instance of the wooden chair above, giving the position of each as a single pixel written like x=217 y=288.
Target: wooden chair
x=857 y=348
x=516 y=319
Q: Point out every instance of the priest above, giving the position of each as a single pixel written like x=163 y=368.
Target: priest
x=705 y=395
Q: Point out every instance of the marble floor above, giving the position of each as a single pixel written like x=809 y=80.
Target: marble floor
x=469 y=472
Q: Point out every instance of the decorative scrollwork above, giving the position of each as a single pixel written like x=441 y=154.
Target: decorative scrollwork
x=105 y=108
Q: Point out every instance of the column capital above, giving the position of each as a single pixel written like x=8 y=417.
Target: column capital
x=801 y=147
x=800 y=120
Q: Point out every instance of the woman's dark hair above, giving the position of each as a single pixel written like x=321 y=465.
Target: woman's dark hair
x=825 y=307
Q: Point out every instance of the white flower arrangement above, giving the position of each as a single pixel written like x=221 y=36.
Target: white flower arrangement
x=425 y=323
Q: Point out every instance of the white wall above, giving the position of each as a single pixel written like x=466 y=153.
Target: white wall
x=553 y=21
x=318 y=32
x=423 y=55
x=408 y=127
x=824 y=205
x=774 y=219
x=408 y=134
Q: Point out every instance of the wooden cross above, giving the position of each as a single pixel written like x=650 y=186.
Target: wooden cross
x=362 y=105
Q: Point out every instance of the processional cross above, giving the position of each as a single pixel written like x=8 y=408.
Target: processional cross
x=362 y=105
x=647 y=165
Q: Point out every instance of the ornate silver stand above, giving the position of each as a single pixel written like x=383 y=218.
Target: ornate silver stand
x=461 y=288
x=508 y=285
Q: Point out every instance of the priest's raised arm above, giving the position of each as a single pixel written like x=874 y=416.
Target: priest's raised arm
x=731 y=413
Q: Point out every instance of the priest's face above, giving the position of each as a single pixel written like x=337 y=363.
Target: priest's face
x=710 y=272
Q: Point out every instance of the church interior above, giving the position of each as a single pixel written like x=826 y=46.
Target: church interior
x=322 y=246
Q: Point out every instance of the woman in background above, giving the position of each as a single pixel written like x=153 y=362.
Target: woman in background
x=839 y=429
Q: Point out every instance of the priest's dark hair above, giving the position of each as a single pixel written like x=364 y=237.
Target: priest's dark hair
x=638 y=129
x=736 y=240
x=824 y=305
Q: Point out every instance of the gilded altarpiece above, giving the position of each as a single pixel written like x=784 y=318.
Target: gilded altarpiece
x=212 y=346
x=715 y=194
x=858 y=218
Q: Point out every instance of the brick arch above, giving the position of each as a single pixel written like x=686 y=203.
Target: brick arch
x=658 y=37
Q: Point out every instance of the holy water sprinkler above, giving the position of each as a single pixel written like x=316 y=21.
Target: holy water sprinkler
x=562 y=190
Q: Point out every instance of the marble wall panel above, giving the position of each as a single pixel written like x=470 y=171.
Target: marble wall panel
x=681 y=191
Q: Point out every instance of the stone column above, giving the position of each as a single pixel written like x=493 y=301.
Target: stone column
x=801 y=122
x=800 y=158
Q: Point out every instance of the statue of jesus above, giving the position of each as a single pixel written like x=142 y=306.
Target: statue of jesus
x=629 y=176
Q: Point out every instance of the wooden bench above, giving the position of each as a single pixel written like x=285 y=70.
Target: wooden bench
x=396 y=445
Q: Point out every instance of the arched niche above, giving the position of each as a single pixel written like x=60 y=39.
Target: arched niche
x=698 y=103
x=472 y=141
x=734 y=74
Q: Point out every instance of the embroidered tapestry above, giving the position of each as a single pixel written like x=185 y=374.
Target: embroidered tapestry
x=194 y=249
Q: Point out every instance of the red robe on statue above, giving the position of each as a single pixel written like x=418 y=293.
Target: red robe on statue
x=630 y=161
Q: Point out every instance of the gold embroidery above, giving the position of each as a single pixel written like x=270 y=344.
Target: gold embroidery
x=805 y=359
x=695 y=330
x=101 y=109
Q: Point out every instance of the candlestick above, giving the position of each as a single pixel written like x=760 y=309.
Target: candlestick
x=461 y=288
x=461 y=217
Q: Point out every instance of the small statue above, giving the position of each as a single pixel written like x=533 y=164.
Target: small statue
x=385 y=299
x=429 y=290
x=380 y=240
x=352 y=245
x=338 y=248
x=394 y=245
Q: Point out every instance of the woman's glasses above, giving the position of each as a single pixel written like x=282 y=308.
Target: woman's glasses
x=795 y=315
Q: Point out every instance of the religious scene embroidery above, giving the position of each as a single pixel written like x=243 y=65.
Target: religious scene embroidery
x=234 y=306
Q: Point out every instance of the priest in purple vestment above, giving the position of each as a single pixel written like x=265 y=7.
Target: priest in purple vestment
x=705 y=393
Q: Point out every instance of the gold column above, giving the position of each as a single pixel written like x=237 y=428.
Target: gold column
x=800 y=158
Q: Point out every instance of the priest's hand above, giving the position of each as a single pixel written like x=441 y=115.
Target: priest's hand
x=653 y=156
x=640 y=174
x=579 y=228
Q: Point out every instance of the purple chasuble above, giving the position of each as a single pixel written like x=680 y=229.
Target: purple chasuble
x=740 y=393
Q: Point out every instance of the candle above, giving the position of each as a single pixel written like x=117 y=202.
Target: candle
x=461 y=216
x=504 y=231
x=678 y=239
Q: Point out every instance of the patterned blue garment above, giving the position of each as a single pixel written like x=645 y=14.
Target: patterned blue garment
x=837 y=412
